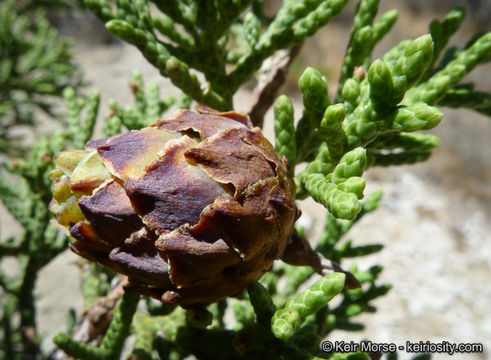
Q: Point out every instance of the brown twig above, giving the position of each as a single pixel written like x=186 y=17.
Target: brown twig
x=299 y=252
x=272 y=77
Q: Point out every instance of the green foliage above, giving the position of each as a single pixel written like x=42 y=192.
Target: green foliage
x=364 y=36
x=215 y=34
x=148 y=105
x=113 y=340
x=95 y=282
x=293 y=314
x=26 y=192
x=35 y=67
x=448 y=77
x=284 y=129
x=376 y=119
x=380 y=113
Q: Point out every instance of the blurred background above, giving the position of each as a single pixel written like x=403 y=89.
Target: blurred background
x=434 y=217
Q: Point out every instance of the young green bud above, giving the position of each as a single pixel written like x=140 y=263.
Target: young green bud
x=417 y=116
x=363 y=37
x=314 y=89
x=417 y=56
x=381 y=83
x=353 y=163
x=333 y=117
x=351 y=91
x=355 y=185
x=322 y=163
x=341 y=204
x=361 y=131
x=125 y=31
x=400 y=87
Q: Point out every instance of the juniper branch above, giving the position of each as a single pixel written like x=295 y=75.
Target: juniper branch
x=359 y=45
x=285 y=31
x=287 y=319
x=438 y=84
x=441 y=33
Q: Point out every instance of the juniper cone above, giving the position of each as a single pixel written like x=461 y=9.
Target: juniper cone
x=191 y=209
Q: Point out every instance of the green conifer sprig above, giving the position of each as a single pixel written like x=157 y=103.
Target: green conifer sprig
x=331 y=130
x=116 y=334
x=288 y=319
x=365 y=34
x=77 y=349
x=343 y=205
x=316 y=99
x=379 y=29
x=327 y=245
x=441 y=32
x=438 y=84
x=317 y=327
x=373 y=113
x=35 y=66
x=26 y=192
x=285 y=130
x=148 y=105
x=252 y=29
x=358 y=48
x=295 y=21
x=358 y=301
x=113 y=340
x=145 y=333
x=204 y=47
x=323 y=163
x=315 y=96
x=398 y=158
x=408 y=141
x=80 y=131
x=351 y=94
x=262 y=303
x=373 y=117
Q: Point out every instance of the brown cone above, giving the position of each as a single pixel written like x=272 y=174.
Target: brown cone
x=195 y=208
